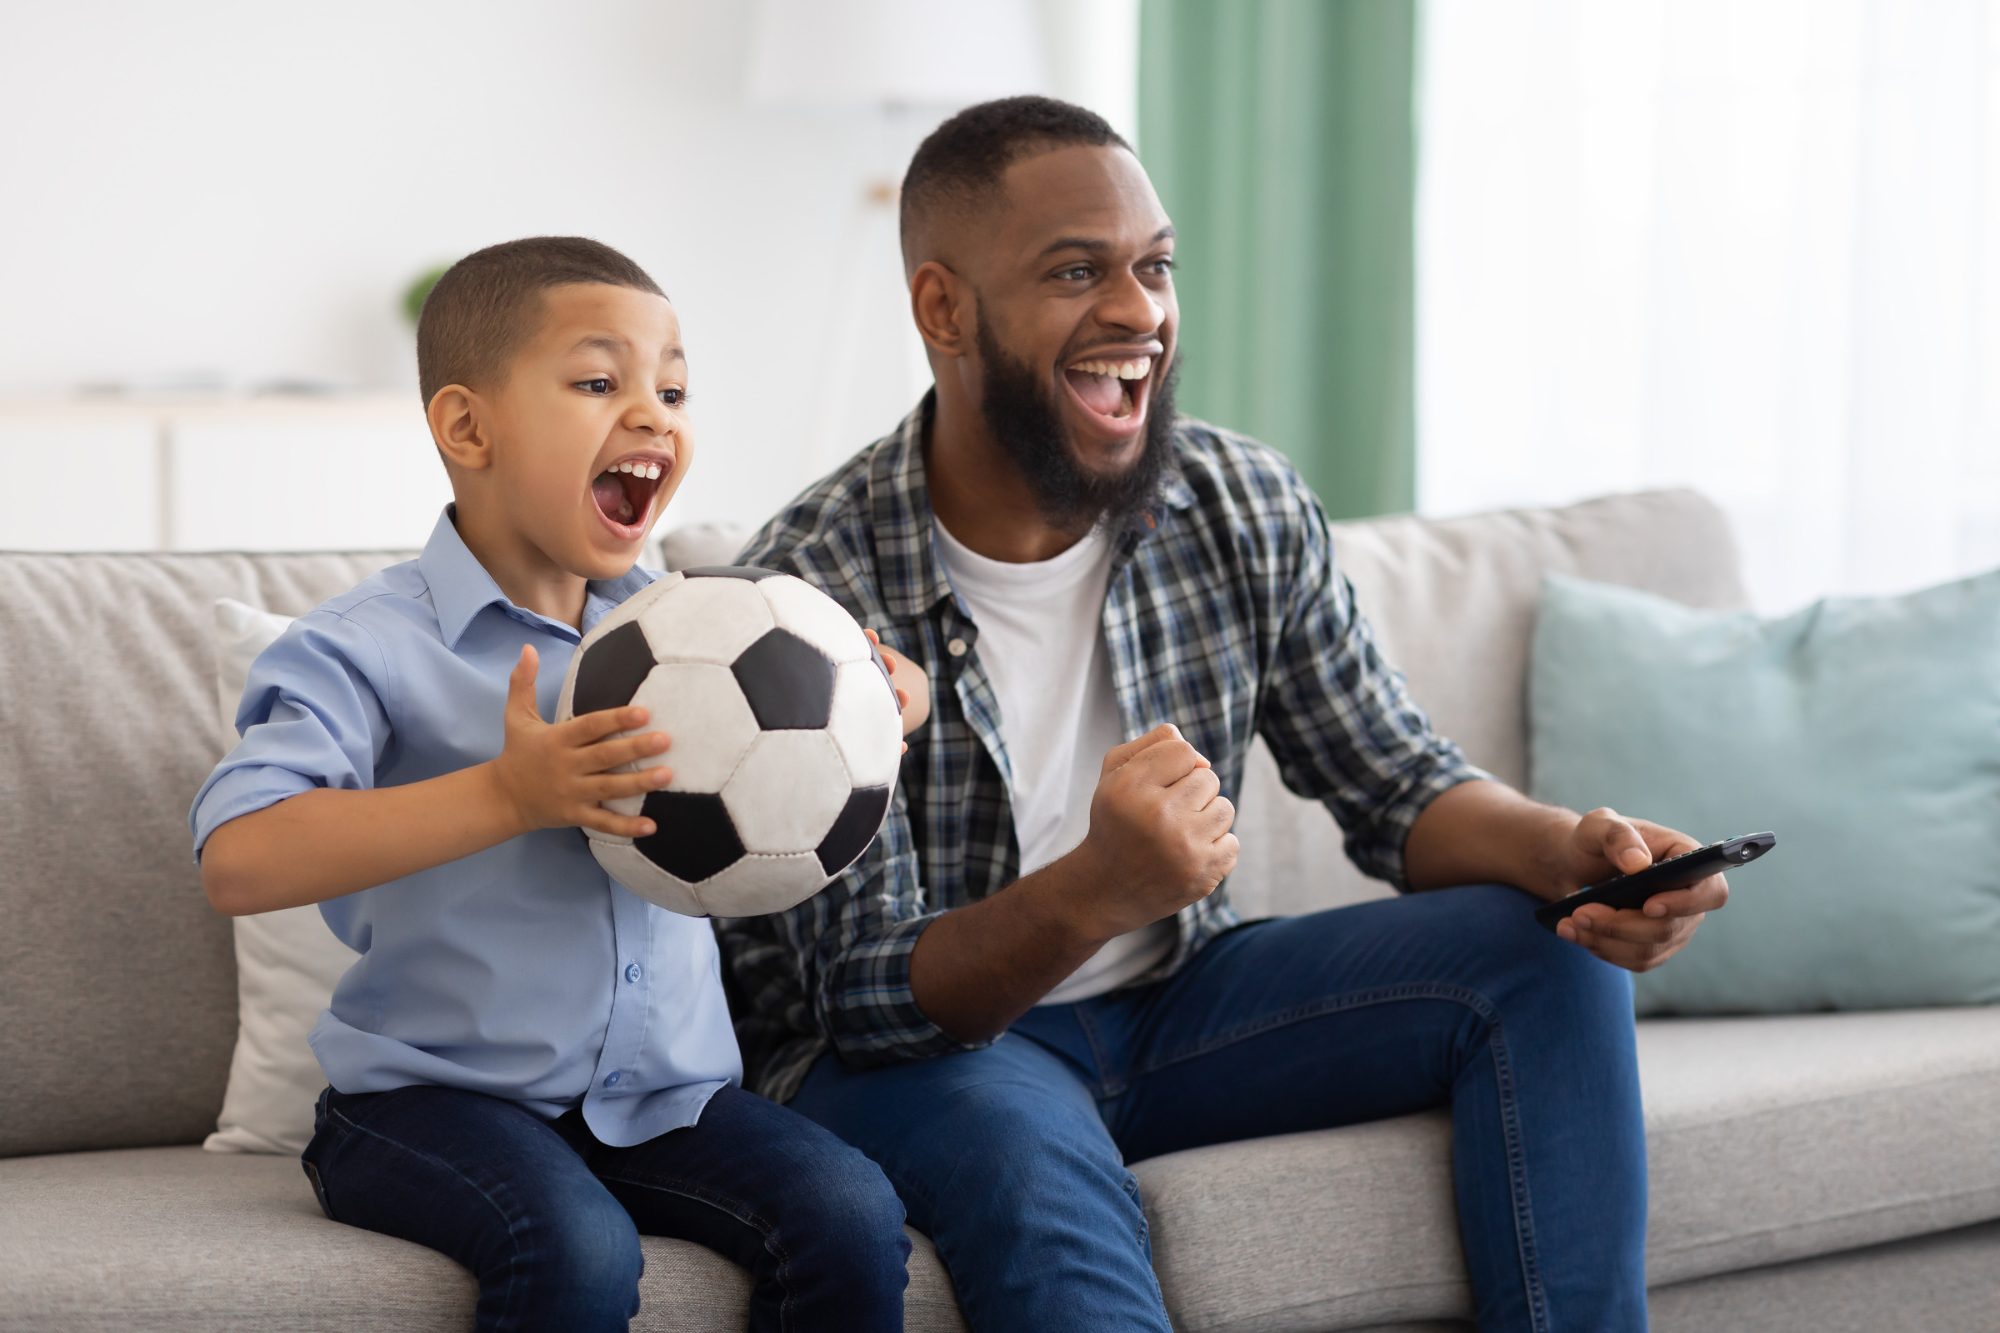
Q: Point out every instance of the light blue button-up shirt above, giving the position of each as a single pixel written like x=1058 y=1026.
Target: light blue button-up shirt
x=522 y=971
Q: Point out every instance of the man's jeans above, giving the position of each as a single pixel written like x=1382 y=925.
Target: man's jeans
x=1012 y=1158
x=548 y=1218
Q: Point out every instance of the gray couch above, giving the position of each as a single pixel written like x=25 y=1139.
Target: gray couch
x=1822 y=1172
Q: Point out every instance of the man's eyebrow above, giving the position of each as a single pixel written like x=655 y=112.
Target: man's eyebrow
x=1095 y=244
x=674 y=354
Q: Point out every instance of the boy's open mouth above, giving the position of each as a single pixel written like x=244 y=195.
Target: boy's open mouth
x=1114 y=389
x=624 y=491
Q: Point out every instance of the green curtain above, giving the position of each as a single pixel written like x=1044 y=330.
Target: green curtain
x=1281 y=136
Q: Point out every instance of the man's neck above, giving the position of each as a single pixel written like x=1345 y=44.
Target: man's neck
x=526 y=575
x=978 y=493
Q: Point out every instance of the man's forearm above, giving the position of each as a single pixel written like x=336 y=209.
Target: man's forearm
x=978 y=968
x=325 y=844
x=1485 y=833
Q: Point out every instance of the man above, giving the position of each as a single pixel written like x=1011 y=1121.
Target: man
x=1030 y=979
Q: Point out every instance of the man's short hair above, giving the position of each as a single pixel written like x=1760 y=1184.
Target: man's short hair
x=964 y=158
x=488 y=304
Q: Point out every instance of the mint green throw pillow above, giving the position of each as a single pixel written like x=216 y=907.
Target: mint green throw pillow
x=1864 y=731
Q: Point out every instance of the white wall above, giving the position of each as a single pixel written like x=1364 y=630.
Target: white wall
x=237 y=193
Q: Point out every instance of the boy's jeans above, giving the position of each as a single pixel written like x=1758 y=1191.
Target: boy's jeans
x=548 y=1218
x=1012 y=1158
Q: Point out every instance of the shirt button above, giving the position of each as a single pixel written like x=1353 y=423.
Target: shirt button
x=631 y=971
x=956 y=647
x=611 y=1079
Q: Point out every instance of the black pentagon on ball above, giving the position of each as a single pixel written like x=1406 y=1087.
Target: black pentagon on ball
x=787 y=681
x=748 y=572
x=860 y=820
x=693 y=835
x=612 y=670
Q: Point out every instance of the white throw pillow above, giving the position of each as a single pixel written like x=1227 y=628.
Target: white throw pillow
x=286 y=962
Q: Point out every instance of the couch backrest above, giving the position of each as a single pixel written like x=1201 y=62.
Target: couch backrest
x=1453 y=603
x=117 y=982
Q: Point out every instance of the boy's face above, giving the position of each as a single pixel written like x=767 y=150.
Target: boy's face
x=590 y=430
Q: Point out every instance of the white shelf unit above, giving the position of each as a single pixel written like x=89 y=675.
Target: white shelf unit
x=227 y=473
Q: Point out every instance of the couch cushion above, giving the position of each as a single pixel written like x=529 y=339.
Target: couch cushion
x=178 y=1239
x=1768 y=1138
x=117 y=986
x=1452 y=602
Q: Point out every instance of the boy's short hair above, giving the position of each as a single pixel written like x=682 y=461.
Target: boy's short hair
x=964 y=158
x=487 y=304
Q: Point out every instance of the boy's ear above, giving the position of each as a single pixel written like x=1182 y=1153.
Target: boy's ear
x=458 y=427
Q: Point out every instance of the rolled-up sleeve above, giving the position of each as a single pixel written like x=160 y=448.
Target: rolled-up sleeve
x=311 y=717
x=1339 y=718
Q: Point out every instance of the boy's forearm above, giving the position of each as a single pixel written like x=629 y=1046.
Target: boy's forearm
x=326 y=844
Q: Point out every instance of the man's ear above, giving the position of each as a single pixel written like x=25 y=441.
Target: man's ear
x=458 y=427
x=942 y=303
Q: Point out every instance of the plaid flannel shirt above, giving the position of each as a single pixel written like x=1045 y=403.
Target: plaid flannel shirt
x=1225 y=616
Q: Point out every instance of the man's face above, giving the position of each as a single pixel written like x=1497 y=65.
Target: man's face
x=591 y=427
x=1076 y=326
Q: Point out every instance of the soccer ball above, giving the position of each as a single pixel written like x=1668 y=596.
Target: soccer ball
x=786 y=738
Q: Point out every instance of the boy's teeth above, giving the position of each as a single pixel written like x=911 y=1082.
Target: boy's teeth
x=1124 y=370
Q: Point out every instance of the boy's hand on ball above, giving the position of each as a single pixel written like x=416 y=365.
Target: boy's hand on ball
x=557 y=776
x=1159 y=833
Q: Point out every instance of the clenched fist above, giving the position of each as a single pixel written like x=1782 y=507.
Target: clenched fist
x=1159 y=834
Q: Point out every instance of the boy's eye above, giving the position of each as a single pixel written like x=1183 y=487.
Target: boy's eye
x=598 y=385
x=673 y=397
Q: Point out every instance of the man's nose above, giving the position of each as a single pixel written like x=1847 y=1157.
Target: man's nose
x=1128 y=303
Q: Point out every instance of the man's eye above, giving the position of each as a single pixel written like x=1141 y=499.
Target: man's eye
x=598 y=385
x=1081 y=273
x=673 y=397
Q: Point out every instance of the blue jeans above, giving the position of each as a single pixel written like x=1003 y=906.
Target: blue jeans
x=548 y=1218
x=1012 y=1158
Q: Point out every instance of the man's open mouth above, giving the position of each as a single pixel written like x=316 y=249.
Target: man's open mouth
x=1114 y=389
x=624 y=491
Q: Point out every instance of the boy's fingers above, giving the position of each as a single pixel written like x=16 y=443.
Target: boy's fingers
x=618 y=826
x=607 y=755
x=591 y=727
x=612 y=786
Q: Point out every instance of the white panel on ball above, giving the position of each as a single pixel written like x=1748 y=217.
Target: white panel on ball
x=628 y=610
x=731 y=615
x=866 y=726
x=629 y=867
x=707 y=720
x=759 y=884
x=815 y=617
x=787 y=791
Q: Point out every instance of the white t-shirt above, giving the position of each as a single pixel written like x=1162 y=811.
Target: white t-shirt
x=1041 y=642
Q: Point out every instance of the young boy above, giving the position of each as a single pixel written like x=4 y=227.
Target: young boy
x=530 y=1066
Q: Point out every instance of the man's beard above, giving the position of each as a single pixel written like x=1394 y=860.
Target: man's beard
x=1022 y=416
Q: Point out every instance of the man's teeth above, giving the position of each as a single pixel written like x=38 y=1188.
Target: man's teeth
x=651 y=471
x=1123 y=370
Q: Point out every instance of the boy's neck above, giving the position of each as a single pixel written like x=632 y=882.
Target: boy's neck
x=524 y=572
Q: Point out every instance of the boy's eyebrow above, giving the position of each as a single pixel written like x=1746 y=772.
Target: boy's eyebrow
x=612 y=343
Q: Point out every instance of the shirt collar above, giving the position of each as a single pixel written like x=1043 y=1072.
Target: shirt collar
x=461 y=588
x=899 y=501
